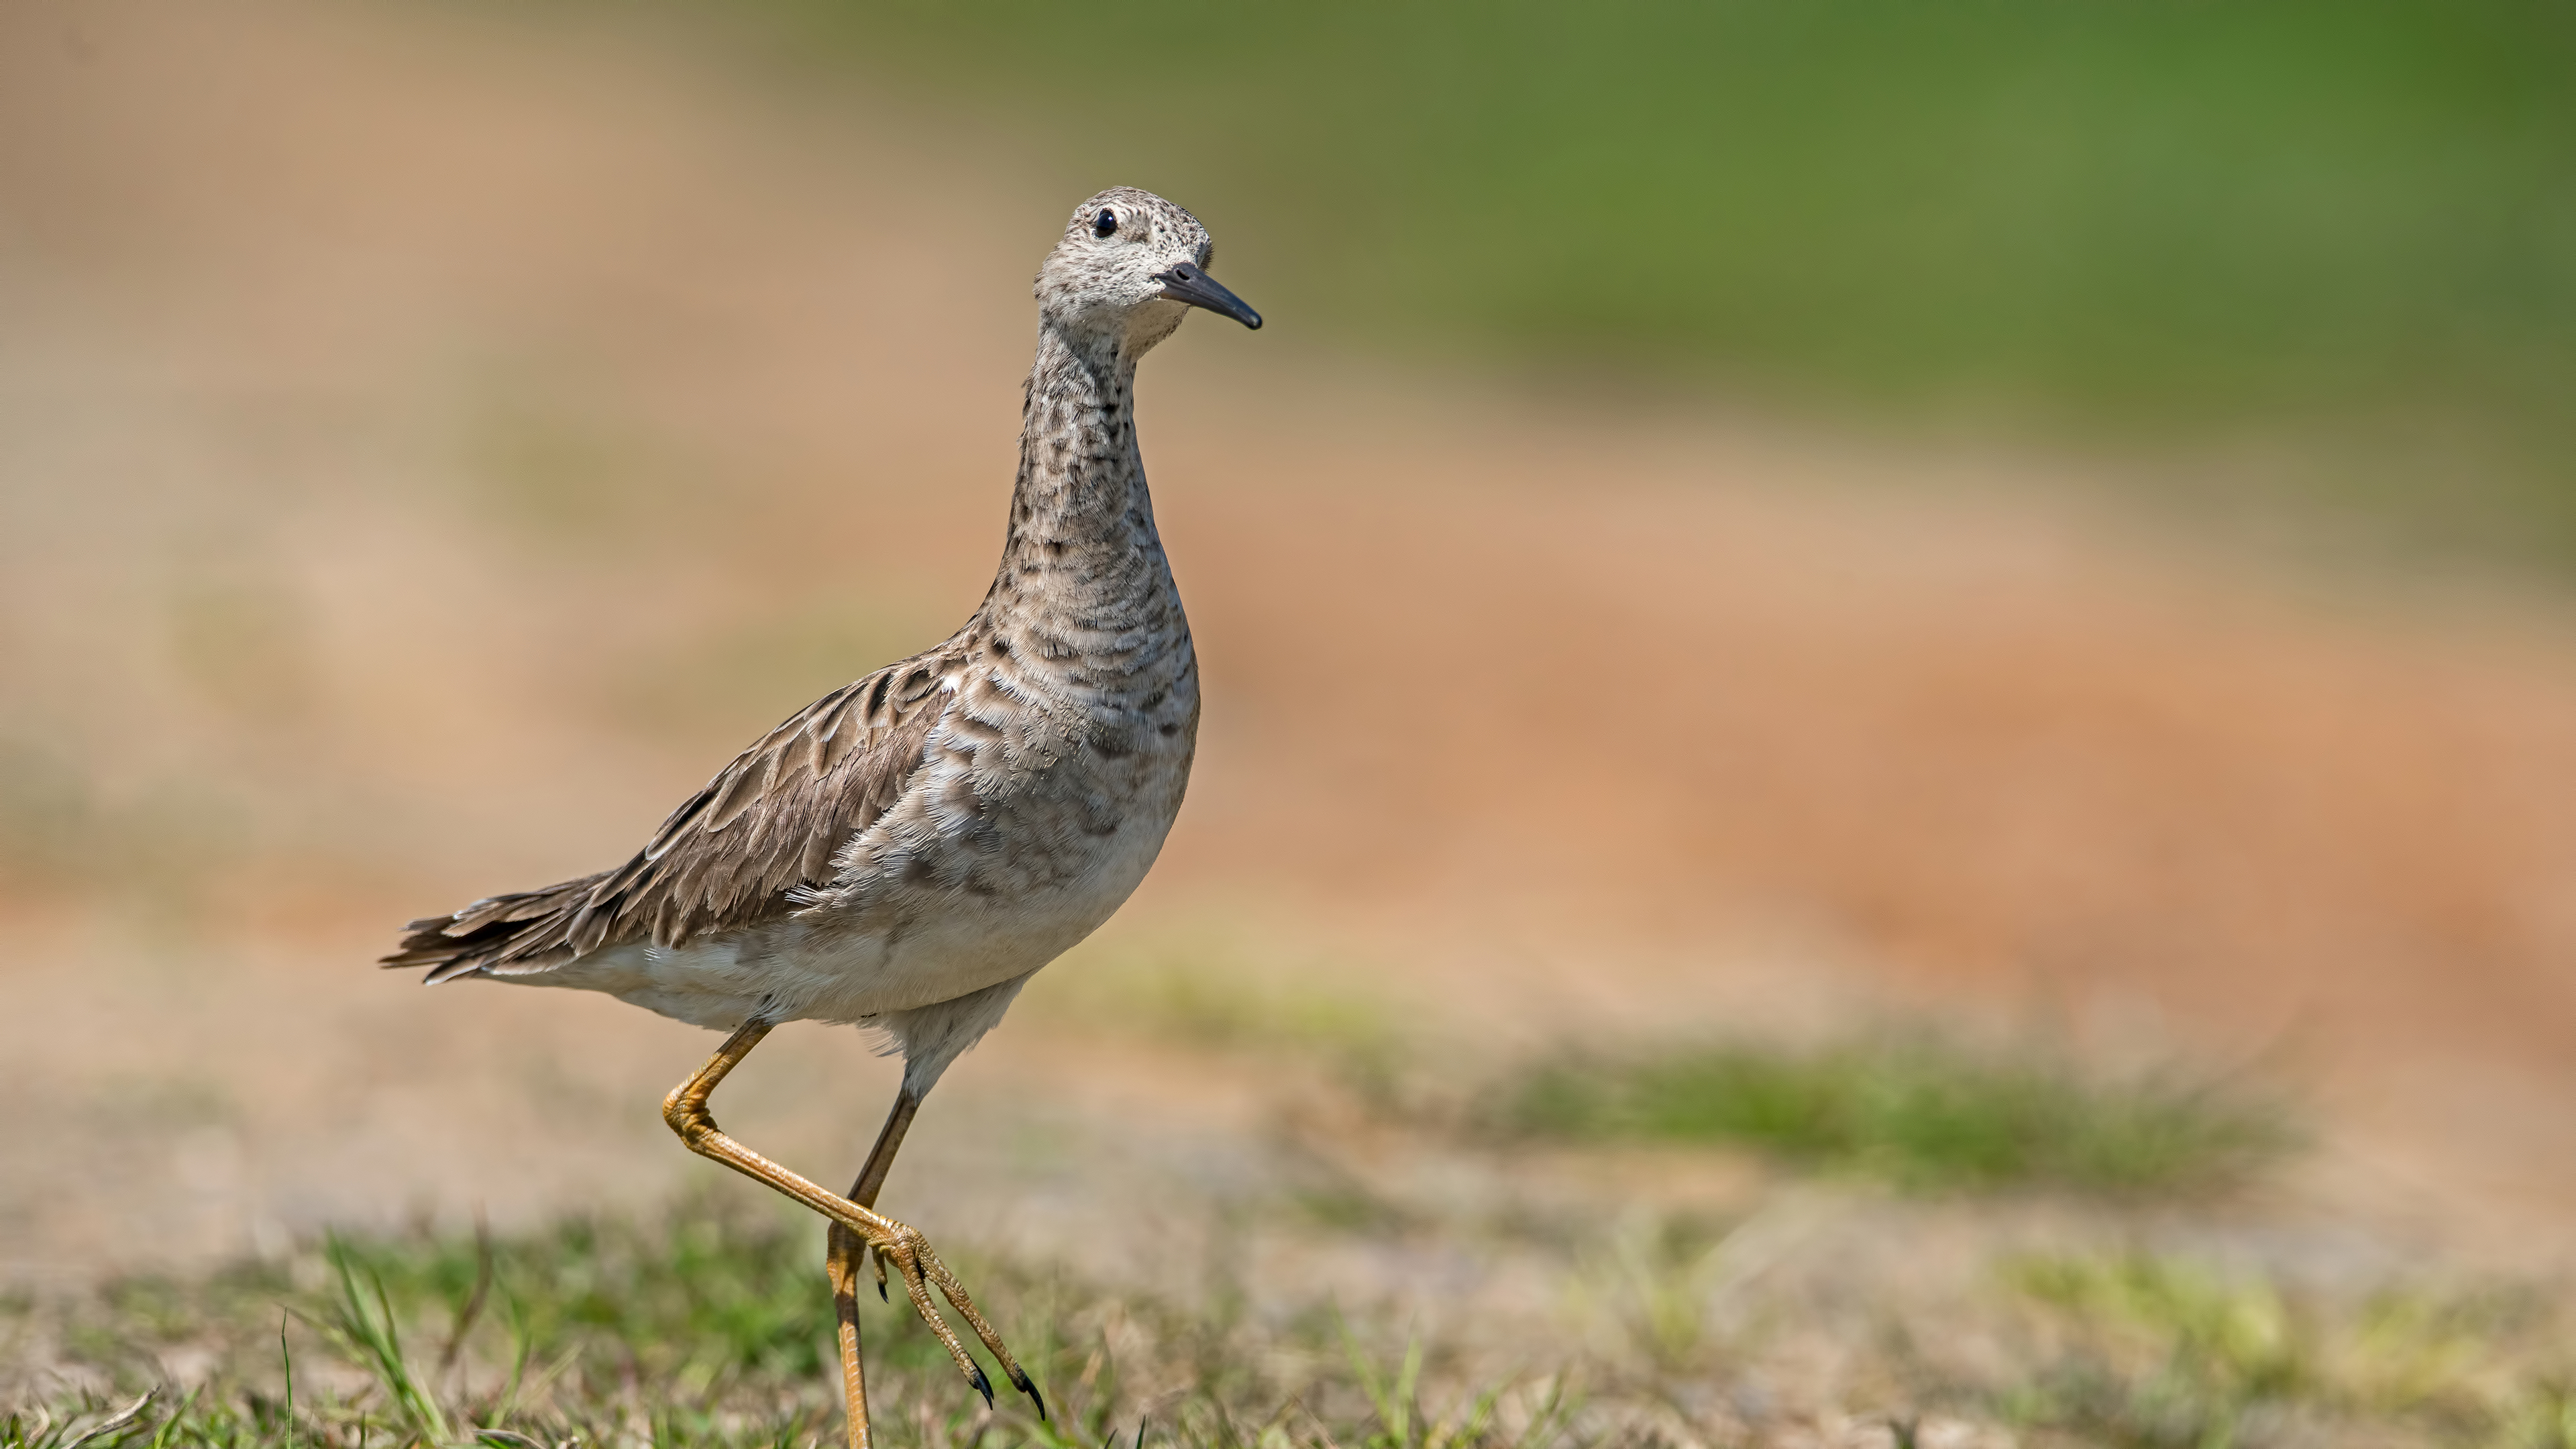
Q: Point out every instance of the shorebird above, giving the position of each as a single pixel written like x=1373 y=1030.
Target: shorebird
x=906 y=851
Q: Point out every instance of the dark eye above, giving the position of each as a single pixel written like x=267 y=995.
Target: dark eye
x=1105 y=223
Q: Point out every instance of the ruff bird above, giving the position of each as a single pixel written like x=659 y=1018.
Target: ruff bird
x=905 y=852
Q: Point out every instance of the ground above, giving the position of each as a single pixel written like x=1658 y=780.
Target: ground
x=430 y=448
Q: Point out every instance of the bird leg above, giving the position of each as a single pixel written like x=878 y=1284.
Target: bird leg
x=904 y=1247
x=872 y=1174
x=841 y=1255
x=840 y=1264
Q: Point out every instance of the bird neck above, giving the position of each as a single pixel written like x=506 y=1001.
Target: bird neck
x=1082 y=524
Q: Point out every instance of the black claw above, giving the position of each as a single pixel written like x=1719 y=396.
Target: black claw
x=1020 y=1381
x=982 y=1384
x=881 y=1293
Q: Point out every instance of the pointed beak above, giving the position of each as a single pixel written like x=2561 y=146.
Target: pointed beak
x=1186 y=283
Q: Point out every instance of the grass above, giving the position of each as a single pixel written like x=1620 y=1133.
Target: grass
x=1917 y=1111
x=2355 y=218
x=709 y=1329
x=1909 y=1106
x=2152 y=1350
x=1696 y=1321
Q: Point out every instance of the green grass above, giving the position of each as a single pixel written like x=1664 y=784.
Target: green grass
x=1917 y=1111
x=2154 y=1350
x=2356 y=217
x=711 y=1330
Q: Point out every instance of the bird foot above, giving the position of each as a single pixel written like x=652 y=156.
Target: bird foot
x=908 y=1253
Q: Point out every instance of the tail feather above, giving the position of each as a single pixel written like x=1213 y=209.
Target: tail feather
x=521 y=931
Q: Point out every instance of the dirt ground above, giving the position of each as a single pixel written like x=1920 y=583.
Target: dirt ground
x=428 y=448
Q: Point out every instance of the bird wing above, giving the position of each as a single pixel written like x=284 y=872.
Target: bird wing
x=770 y=821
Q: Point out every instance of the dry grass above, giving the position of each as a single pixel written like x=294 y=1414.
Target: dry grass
x=707 y=1327
x=1794 y=1311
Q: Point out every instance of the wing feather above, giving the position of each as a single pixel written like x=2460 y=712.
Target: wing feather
x=770 y=822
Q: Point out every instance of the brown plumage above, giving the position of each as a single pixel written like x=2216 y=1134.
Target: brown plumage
x=732 y=855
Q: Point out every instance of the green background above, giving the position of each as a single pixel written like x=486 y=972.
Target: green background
x=2350 y=227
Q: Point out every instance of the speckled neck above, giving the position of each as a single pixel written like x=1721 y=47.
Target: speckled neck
x=1083 y=575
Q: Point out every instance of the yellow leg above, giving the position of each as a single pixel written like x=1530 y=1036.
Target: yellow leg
x=841 y=1265
x=902 y=1247
x=842 y=1254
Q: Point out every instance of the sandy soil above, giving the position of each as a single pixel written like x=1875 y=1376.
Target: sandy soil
x=427 y=450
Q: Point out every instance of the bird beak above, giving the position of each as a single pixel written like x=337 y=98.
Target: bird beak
x=1186 y=283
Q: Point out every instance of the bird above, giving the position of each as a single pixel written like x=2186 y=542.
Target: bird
x=907 y=851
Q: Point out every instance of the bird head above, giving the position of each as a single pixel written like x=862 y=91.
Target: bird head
x=1130 y=266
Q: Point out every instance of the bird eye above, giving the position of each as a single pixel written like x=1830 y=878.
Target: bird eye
x=1105 y=223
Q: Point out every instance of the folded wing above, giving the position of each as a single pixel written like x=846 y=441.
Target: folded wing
x=769 y=822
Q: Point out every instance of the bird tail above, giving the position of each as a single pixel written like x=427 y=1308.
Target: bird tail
x=500 y=935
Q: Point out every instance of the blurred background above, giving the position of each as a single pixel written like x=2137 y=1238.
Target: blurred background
x=1979 y=557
